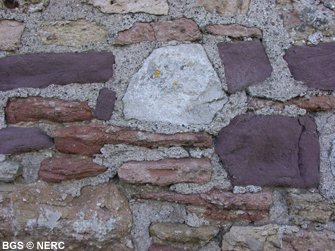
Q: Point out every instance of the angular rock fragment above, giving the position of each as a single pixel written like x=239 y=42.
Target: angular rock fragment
x=245 y=64
x=9 y=170
x=10 y=34
x=137 y=33
x=87 y=140
x=61 y=168
x=36 y=108
x=234 y=30
x=226 y=8
x=166 y=172
x=105 y=104
x=43 y=69
x=18 y=140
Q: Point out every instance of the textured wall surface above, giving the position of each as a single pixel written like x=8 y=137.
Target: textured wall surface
x=158 y=125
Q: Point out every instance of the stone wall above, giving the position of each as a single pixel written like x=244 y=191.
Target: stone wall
x=168 y=124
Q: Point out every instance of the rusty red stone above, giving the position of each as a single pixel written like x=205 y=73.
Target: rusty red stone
x=234 y=30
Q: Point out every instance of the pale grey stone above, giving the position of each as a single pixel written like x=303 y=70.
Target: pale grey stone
x=9 y=170
x=239 y=189
x=332 y=158
x=176 y=84
x=279 y=211
x=315 y=38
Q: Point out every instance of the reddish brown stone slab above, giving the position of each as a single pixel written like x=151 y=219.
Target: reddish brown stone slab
x=166 y=172
x=137 y=33
x=61 y=168
x=245 y=64
x=88 y=140
x=234 y=30
x=314 y=65
x=160 y=247
x=270 y=151
x=36 y=108
x=105 y=104
x=229 y=215
x=43 y=69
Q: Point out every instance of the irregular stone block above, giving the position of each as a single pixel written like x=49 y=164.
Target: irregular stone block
x=137 y=33
x=9 y=170
x=232 y=215
x=88 y=140
x=10 y=34
x=245 y=64
x=61 y=168
x=226 y=8
x=234 y=30
x=36 y=108
x=313 y=65
x=270 y=151
x=160 y=247
x=167 y=171
x=71 y=33
x=105 y=104
x=176 y=84
x=18 y=140
x=24 y=6
x=156 y=7
x=43 y=69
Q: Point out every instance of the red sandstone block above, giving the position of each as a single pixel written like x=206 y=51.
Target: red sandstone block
x=234 y=30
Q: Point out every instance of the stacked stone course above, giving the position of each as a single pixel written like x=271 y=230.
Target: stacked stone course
x=167 y=124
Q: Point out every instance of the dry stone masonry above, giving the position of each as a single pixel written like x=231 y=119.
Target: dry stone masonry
x=168 y=125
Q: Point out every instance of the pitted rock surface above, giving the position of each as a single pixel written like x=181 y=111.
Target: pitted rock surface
x=226 y=8
x=105 y=104
x=176 y=84
x=270 y=151
x=10 y=34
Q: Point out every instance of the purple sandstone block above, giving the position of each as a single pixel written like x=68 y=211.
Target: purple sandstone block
x=270 y=151
x=245 y=64
x=18 y=139
x=43 y=69
x=105 y=104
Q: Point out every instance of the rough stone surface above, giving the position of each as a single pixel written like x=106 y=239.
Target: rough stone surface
x=100 y=218
x=137 y=33
x=71 y=33
x=36 y=108
x=166 y=172
x=62 y=167
x=234 y=30
x=270 y=150
x=105 y=104
x=225 y=8
x=10 y=34
x=245 y=64
x=179 y=233
x=313 y=65
x=9 y=170
x=176 y=84
x=25 y=5
x=17 y=140
x=43 y=69
x=156 y=7
x=88 y=140
x=160 y=247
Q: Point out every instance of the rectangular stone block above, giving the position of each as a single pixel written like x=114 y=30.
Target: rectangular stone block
x=105 y=104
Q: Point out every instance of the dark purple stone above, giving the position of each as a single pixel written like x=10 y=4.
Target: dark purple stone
x=315 y=66
x=105 y=104
x=17 y=140
x=245 y=64
x=43 y=69
x=270 y=151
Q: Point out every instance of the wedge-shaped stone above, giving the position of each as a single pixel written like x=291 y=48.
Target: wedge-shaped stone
x=226 y=8
x=43 y=69
x=166 y=172
x=314 y=65
x=62 y=167
x=234 y=30
x=88 y=140
x=36 y=108
x=10 y=34
x=270 y=151
x=245 y=64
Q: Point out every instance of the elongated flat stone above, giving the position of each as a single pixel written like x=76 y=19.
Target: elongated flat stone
x=226 y=8
x=43 y=69
x=88 y=140
x=234 y=30
x=36 y=108
x=166 y=172
x=105 y=104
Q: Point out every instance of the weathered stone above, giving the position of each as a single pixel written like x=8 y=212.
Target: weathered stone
x=160 y=247
x=156 y=7
x=88 y=140
x=270 y=151
x=17 y=140
x=9 y=170
x=10 y=34
x=226 y=8
x=24 y=5
x=36 y=108
x=62 y=167
x=71 y=33
x=166 y=172
x=105 y=104
x=234 y=30
x=245 y=64
x=313 y=65
x=99 y=219
x=137 y=33
x=43 y=69
x=176 y=84
x=232 y=215
x=189 y=237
